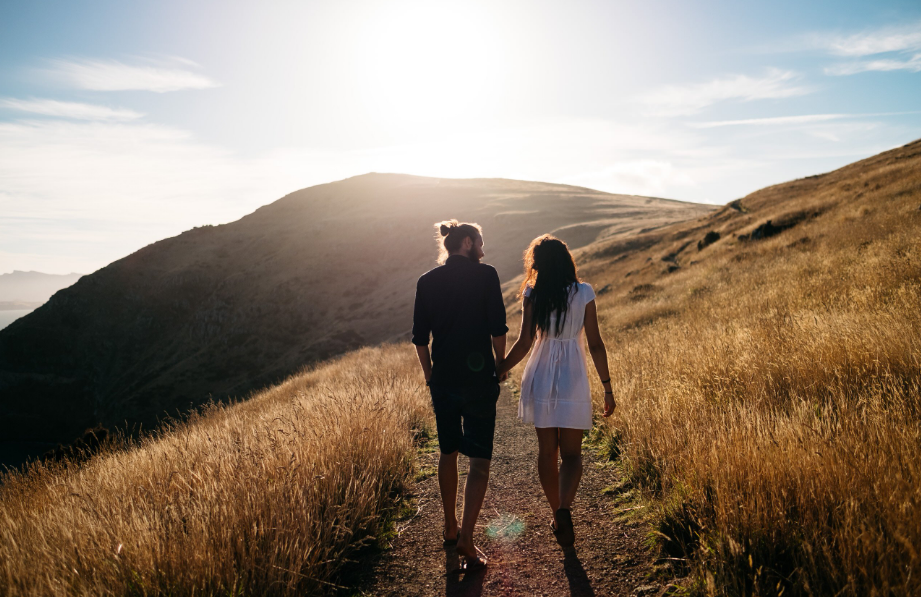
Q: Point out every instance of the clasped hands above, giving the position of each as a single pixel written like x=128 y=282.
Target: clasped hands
x=502 y=375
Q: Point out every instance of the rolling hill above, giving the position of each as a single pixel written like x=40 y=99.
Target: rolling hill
x=222 y=310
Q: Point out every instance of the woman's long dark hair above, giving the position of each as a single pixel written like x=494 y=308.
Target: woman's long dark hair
x=551 y=272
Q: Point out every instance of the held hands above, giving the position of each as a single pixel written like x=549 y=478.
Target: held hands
x=501 y=370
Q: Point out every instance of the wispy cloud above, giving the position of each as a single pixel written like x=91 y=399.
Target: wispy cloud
x=146 y=75
x=675 y=100
x=776 y=120
x=903 y=38
x=787 y=120
x=73 y=110
x=895 y=48
x=912 y=64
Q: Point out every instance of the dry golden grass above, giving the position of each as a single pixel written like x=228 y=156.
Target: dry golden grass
x=266 y=497
x=770 y=393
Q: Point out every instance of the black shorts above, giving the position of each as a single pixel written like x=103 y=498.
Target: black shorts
x=466 y=418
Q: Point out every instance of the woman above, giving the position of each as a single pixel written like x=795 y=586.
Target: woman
x=555 y=394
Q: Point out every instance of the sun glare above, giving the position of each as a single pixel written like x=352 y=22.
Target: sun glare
x=431 y=64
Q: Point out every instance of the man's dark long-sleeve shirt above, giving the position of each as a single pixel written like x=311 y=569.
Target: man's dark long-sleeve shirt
x=460 y=304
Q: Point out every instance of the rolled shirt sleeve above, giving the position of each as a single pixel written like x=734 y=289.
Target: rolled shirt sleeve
x=422 y=325
x=495 y=307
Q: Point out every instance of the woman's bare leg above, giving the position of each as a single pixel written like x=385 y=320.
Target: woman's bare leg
x=548 y=464
x=570 y=443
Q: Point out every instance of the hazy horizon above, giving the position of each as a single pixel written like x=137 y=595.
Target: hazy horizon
x=124 y=124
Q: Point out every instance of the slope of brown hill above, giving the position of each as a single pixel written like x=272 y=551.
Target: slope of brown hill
x=767 y=363
x=627 y=263
x=222 y=310
x=623 y=265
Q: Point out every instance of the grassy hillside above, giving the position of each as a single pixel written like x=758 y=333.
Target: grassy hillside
x=222 y=310
x=769 y=385
x=266 y=497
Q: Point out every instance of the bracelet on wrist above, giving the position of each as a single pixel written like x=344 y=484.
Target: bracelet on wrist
x=611 y=393
x=604 y=381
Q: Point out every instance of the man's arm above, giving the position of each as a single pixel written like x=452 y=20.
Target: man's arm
x=495 y=314
x=422 y=329
x=495 y=308
x=425 y=359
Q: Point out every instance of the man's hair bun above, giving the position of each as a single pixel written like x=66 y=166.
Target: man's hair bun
x=450 y=234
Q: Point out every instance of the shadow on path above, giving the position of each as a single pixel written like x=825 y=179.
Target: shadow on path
x=458 y=584
x=579 y=583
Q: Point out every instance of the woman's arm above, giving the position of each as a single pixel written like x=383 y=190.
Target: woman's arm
x=599 y=355
x=524 y=341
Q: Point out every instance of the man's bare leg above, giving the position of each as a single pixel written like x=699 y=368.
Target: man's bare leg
x=474 y=492
x=447 y=483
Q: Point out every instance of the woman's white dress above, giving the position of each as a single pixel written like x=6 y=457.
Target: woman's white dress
x=554 y=387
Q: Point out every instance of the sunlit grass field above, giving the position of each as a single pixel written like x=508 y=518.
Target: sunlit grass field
x=265 y=497
x=770 y=394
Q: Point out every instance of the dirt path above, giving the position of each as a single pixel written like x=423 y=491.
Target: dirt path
x=524 y=558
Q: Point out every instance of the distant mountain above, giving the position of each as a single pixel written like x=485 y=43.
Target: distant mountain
x=28 y=290
x=223 y=310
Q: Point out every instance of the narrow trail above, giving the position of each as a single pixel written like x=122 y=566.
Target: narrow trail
x=524 y=559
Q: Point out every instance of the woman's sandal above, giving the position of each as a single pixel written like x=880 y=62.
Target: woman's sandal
x=473 y=564
x=448 y=542
x=564 y=531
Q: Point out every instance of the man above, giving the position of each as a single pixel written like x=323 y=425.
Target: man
x=460 y=304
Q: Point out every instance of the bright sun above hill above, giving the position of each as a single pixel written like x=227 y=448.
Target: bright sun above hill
x=424 y=64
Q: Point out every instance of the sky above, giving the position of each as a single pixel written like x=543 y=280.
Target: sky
x=122 y=123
